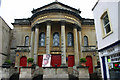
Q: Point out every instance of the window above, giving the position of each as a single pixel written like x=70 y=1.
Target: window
x=56 y=39
x=42 y=39
x=85 y=41
x=106 y=23
x=70 y=39
x=27 y=41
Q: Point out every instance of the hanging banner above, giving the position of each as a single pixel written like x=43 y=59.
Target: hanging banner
x=46 y=60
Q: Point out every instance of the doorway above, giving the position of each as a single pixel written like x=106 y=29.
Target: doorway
x=89 y=63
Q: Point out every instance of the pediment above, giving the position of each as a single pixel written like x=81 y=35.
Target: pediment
x=56 y=5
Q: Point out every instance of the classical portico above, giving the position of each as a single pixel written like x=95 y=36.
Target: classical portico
x=63 y=39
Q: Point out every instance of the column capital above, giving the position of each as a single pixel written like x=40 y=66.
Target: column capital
x=77 y=27
x=48 y=22
x=33 y=29
x=62 y=22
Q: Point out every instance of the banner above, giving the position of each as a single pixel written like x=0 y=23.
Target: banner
x=46 y=60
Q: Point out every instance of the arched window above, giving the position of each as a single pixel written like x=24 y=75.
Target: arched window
x=56 y=39
x=85 y=41
x=26 y=40
x=70 y=39
x=42 y=39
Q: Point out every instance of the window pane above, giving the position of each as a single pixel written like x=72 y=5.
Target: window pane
x=85 y=41
x=70 y=39
x=42 y=39
x=106 y=23
x=56 y=39
x=108 y=28
x=27 y=41
x=105 y=19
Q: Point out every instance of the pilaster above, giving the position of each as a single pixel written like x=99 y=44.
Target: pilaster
x=80 y=43
x=32 y=43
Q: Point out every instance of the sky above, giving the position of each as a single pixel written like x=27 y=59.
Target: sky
x=18 y=9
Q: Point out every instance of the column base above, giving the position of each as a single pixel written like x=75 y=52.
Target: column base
x=63 y=65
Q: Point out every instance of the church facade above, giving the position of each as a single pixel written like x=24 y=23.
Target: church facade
x=58 y=30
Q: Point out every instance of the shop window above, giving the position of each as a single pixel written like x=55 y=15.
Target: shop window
x=70 y=39
x=27 y=41
x=42 y=39
x=56 y=39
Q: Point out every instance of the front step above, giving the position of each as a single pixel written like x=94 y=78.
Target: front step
x=55 y=73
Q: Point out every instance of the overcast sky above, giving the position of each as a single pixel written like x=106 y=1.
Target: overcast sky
x=17 y=9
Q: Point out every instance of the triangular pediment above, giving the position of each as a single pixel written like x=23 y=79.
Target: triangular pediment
x=56 y=5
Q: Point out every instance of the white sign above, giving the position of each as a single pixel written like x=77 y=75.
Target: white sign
x=46 y=60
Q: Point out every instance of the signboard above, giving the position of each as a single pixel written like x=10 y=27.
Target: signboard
x=116 y=65
x=46 y=60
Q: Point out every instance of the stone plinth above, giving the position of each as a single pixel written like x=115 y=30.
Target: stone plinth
x=25 y=73
x=83 y=73
x=55 y=73
x=5 y=73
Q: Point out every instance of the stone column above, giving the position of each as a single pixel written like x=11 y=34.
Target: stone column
x=32 y=43
x=48 y=37
x=76 y=46
x=80 y=41
x=36 y=44
x=63 y=44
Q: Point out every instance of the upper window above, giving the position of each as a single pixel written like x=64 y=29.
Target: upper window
x=106 y=23
x=27 y=41
x=42 y=39
x=70 y=39
x=85 y=41
x=56 y=39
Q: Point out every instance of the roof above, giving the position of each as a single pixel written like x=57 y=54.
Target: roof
x=95 y=5
x=5 y=22
x=24 y=21
x=56 y=10
x=57 y=5
x=87 y=21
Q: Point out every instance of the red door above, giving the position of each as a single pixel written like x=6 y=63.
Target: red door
x=23 y=61
x=40 y=59
x=90 y=64
x=56 y=59
x=70 y=61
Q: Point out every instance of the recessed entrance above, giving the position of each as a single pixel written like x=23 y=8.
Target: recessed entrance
x=90 y=64
x=70 y=61
x=23 y=61
x=56 y=60
x=40 y=59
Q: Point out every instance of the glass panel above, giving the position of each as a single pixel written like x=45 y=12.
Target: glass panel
x=70 y=39
x=42 y=39
x=56 y=39
x=106 y=24
x=85 y=41
x=107 y=28
x=27 y=41
x=105 y=19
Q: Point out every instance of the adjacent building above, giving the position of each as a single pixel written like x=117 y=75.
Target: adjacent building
x=58 y=30
x=106 y=14
x=5 y=39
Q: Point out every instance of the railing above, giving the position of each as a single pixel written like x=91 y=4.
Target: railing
x=88 y=48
